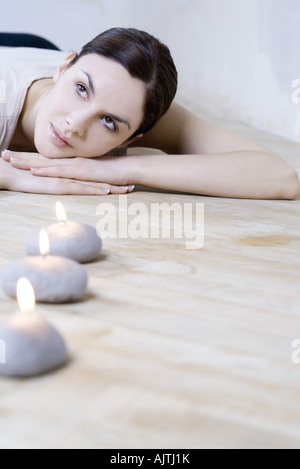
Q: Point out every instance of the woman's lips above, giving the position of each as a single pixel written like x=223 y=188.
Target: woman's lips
x=56 y=137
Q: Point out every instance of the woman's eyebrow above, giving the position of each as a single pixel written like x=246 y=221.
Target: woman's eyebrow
x=113 y=116
x=90 y=80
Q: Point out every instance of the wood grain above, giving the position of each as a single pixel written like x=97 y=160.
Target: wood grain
x=170 y=348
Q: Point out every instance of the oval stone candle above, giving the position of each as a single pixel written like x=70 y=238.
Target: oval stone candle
x=74 y=240
x=30 y=345
x=55 y=279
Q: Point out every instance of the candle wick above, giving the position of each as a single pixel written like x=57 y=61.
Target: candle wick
x=64 y=222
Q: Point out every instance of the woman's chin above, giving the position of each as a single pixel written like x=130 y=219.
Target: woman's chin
x=49 y=151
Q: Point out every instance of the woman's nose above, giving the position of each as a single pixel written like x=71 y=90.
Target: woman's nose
x=76 y=124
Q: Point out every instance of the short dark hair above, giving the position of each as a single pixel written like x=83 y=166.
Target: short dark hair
x=145 y=58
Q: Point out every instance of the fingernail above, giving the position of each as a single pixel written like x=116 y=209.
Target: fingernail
x=106 y=191
x=6 y=152
x=35 y=170
x=127 y=188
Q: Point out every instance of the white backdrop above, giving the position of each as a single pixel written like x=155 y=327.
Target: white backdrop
x=235 y=58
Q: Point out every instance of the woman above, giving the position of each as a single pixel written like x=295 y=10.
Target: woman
x=73 y=129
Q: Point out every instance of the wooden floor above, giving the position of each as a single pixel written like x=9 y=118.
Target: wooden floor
x=171 y=347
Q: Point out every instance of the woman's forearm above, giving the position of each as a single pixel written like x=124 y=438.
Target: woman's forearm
x=241 y=174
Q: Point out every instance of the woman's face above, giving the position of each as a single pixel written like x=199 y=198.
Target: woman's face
x=94 y=106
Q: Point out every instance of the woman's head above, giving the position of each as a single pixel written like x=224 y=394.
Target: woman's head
x=134 y=78
x=146 y=59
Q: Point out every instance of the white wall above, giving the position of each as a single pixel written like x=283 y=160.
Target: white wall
x=236 y=58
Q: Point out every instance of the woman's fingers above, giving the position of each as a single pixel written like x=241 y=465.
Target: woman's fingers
x=5 y=156
x=70 y=187
x=55 y=186
x=71 y=168
x=84 y=170
x=23 y=181
x=8 y=155
x=21 y=164
x=61 y=173
x=81 y=175
x=71 y=171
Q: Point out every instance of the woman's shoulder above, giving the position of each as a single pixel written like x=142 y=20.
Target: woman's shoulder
x=182 y=131
x=14 y=56
x=20 y=66
x=170 y=133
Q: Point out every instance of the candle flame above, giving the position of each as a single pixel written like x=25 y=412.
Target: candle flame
x=44 y=243
x=60 y=212
x=25 y=295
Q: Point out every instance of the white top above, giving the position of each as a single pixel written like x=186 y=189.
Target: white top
x=19 y=67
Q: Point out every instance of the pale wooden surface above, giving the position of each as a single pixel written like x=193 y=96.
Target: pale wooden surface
x=172 y=348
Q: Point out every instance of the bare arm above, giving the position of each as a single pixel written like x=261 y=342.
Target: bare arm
x=202 y=159
x=182 y=132
x=240 y=174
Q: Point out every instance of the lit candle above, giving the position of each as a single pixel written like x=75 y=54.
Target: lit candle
x=71 y=239
x=55 y=279
x=30 y=345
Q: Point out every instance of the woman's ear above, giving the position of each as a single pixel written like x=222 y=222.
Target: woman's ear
x=63 y=66
x=130 y=141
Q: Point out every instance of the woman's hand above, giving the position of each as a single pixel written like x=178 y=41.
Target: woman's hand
x=64 y=176
x=18 y=180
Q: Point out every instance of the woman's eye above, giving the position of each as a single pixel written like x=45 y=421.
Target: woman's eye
x=109 y=123
x=82 y=90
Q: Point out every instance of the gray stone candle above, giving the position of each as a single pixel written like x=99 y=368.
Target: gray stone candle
x=54 y=279
x=29 y=344
x=74 y=240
